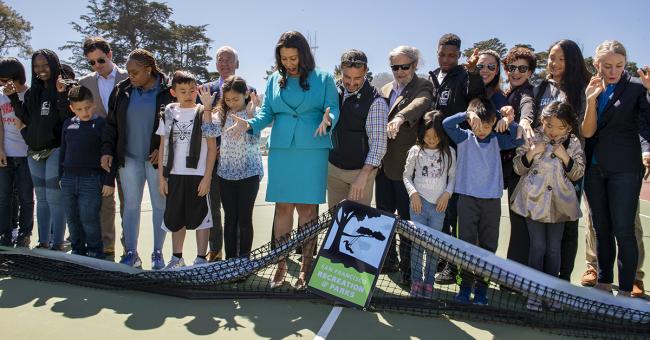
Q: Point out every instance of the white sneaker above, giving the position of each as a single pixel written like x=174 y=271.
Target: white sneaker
x=200 y=260
x=175 y=262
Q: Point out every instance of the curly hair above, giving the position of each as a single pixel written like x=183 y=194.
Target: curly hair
x=521 y=52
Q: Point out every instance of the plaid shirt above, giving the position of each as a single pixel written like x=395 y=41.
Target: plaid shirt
x=375 y=129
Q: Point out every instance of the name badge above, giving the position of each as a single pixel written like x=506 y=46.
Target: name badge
x=45 y=109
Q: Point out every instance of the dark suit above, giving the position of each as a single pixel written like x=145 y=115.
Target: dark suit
x=391 y=194
x=613 y=178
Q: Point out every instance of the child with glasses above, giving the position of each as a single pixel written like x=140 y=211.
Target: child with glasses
x=479 y=183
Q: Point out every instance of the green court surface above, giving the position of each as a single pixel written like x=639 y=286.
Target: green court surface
x=44 y=310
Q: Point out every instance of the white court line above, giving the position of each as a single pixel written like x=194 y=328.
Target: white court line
x=325 y=329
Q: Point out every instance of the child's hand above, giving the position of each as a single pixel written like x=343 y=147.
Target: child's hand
x=560 y=152
x=535 y=150
x=162 y=186
x=206 y=98
x=474 y=121
x=441 y=203
x=416 y=203
x=253 y=104
x=9 y=88
x=107 y=190
x=204 y=186
x=3 y=158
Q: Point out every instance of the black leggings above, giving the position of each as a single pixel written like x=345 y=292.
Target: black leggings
x=238 y=200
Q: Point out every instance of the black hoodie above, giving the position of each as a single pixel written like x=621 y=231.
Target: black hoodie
x=44 y=109
x=456 y=91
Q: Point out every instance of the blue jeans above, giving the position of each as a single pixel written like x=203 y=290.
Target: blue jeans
x=613 y=198
x=429 y=217
x=50 y=215
x=16 y=175
x=133 y=176
x=83 y=197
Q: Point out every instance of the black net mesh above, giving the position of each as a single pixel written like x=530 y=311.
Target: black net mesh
x=565 y=309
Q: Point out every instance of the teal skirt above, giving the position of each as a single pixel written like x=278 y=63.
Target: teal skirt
x=297 y=175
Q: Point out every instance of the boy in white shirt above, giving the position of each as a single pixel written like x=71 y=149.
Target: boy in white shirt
x=188 y=152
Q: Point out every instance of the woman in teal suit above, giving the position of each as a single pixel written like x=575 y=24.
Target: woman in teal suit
x=302 y=103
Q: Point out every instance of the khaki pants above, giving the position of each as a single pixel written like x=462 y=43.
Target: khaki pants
x=339 y=182
x=107 y=219
x=592 y=257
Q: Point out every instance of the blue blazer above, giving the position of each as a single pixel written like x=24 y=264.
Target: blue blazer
x=301 y=123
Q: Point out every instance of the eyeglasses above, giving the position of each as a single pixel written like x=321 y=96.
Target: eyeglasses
x=100 y=60
x=520 y=68
x=353 y=63
x=402 y=67
x=490 y=67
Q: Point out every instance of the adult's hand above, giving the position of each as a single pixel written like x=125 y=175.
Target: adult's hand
x=594 y=88
x=358 y=186
x=393 y=126
x=153 y=157
x=106 y=162
x=324 y=124
x=472 y=61
x=3 y=158
x=240 y=126
x=529 y=133
x=60 y=84
x=644 y=74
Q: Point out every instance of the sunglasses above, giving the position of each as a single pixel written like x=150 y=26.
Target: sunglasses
x=353 y=63
x=402 y=67
x=490 y=67
x=100 y=60
x=520 y=68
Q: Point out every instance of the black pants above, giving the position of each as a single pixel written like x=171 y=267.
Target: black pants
x=216 y=232
x=391 y=196
x=519 y=244
x=478 y=224
x=570 y=241
x=238 y=199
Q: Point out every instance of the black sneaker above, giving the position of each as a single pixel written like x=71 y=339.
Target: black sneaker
x=405 y=279
x=5 y=241
x=23 y=241
x=447 y=276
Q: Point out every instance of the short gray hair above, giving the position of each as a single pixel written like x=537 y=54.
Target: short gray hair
x=409 y=51
x=228 y=49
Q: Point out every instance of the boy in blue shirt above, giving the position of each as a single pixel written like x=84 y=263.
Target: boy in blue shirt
x=83 y=181
x=479 y=182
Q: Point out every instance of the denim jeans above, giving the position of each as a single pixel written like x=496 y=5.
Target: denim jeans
x=545 y=246
x=83 y=197
x=422 y=260
x=16 y=176
x=132 y=177
x=613 y=198
x=50 y=214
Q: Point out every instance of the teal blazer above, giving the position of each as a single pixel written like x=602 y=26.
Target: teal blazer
x=300 y=124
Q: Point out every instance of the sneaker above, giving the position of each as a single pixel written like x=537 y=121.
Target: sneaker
x=534 y=304
x=480 y=295
x=200 y=260
x=589 y=277
x=463 y=294
x=23 y=241
x=131 y=259
x=637 y=289
x=447 y=276
x=214 y=256
x=428 y=290
x=157 y=260
x=175 y=262
x=416 y=289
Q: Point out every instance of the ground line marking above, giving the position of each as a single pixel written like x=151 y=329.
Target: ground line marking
x=325 y=329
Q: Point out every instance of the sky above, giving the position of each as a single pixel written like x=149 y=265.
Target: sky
x=253 y=27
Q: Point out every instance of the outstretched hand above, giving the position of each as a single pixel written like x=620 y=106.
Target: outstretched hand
x=240 y=126
x=644 y=74
x=252 y=105
x=206 y=98
x=324 y=124
x=472 y=61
